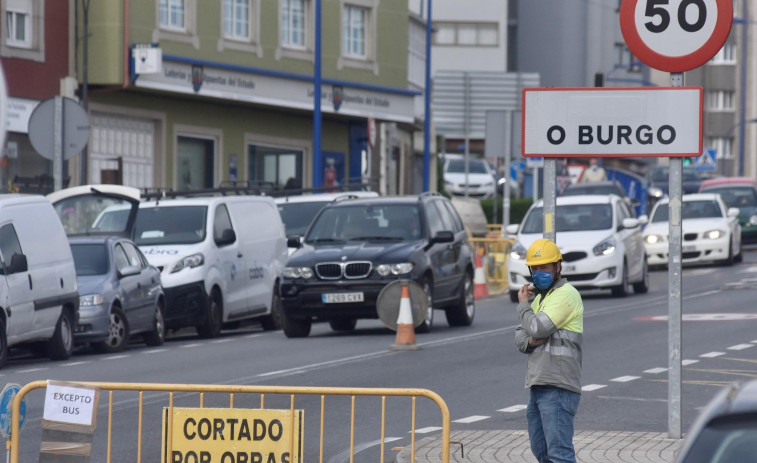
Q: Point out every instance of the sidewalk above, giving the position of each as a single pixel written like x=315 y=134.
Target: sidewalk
x=513 y=447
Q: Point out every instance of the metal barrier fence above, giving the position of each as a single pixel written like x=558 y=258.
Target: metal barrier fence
x=238 y=393
x=493 y=250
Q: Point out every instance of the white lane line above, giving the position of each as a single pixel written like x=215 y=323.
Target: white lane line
x=624 y=379
x=712 y=354
x=740 y=346
x=344 y=455
x=471 y=419
x=513 y=409
x=689 y=362
x=196 y=344
x=71 y=364
x=114 y=357
x=655 y=370
x=427 y=430
x=754 y=342
x=261 y=334
x=31 y=370
x=592 y=387
x=154 y=351
x=221 y=341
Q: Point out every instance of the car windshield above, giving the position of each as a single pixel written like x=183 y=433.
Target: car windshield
x=604 y=190
x=690 y=210
x=573 y=217
x=660 y=174
x=374 y=222
x=726 y=439
x=90 y=259
x=170 y=225
x=736 y=196
x=297 y=216
x=457 y=166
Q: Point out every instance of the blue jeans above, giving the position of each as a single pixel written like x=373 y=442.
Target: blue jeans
x=550 y=416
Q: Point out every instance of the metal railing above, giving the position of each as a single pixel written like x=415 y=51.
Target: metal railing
x=493 y=250
x=13 y=444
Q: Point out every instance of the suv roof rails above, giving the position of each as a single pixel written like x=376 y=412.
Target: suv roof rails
x=223 y=190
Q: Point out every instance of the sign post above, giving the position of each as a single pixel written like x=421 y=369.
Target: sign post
x=675 y=36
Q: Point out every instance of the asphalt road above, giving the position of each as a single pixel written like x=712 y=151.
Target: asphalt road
x=476 y=370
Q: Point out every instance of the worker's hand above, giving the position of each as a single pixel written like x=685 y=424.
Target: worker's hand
x=525 y=293
x=533 y=342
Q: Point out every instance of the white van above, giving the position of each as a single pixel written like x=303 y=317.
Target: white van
x=220 y=259
x=38 y=292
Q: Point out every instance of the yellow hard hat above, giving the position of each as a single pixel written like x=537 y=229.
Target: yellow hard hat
x=542 y=251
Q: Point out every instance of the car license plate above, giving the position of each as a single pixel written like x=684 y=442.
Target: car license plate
x=340 y=298
x=689 y=248
x=569 y=268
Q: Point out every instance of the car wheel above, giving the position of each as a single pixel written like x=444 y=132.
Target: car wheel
x=513 y=296
x=118 y=333
x=622 y=289
x=740 y=256
x=729 y=260
x=272 y=321
x=3 y=344
x=213 y=319
x=296 y=327
x=462 y=313
x=642 y=286
x=428 y=322
x=60 y=346
x=347 y=324
x=157 y=336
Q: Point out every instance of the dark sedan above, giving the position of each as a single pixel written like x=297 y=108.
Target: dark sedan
x=119 y=294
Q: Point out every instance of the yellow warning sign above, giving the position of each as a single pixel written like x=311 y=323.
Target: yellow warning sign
x=232 y=435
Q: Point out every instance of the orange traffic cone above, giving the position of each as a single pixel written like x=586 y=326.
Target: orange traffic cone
x=479 y=280
x=405 y=328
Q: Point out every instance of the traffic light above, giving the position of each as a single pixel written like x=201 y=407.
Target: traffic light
x=687 y=161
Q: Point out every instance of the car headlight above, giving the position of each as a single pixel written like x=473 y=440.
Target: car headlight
x=605 y=248
x=90 y=300
x=654 y=192
x=653 y=239
x=518 y=251
x=298 y=272
x=753 y=220
x=714 y=234
x=195 y=260
x=394 y=269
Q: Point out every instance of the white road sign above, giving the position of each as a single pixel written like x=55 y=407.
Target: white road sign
x=607 y=122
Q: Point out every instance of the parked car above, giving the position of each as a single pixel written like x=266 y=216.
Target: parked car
x=610 y=187
x=739 y=192
x=726 y=430
x=481 y=181
x=710 y=231
x=658 y=178
x=220 y=257
x=39 y=298
x=119 y=294
x=355 y=248
x=297 y=212
x=599 y=240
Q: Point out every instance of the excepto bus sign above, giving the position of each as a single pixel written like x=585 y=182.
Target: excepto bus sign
x=607 y=122
x=232 y=435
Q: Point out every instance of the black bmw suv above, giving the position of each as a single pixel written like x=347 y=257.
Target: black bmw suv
x=354 y=248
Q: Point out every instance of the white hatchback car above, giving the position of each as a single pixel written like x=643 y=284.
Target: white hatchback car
x=480 y=182
x=711 y=231
x=599 y=240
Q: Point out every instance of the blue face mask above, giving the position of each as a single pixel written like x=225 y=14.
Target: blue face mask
x=542 y=280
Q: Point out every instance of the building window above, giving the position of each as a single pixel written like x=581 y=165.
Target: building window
x=354 y=36
x=466 y=34
x=236 y=19
x=279 y=166
x=195 y=160
x=723 y=146
x=18 y=28
x=293 y=25
x=625 y=59
x=726 y=55
x=173 y=14
x=721 y=100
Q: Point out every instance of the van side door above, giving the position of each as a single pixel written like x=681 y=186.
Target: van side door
x=16 y=294
x=231 y=261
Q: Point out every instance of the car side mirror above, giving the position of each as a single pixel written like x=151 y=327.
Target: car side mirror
x=129 y=270
x=630 y=223
x=227 y=237
x=294 y=241
x=512 y=229
x=444 y=236
x=18 y=264
x=733 y=212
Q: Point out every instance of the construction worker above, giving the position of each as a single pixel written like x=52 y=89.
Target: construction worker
x=550 y=332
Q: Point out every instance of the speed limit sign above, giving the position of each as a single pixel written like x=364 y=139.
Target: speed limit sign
x=675 y=35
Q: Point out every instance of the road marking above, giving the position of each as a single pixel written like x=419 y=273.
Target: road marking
x=31 y=370
x=624 y=379
x=754 y=342
x=689 y=362
x=71 y=364
x=712 y=354
x=513 y=409
x=741 y=346
x=261 y=334
x=427 y=430
x=471 y=419
x=197 y=344
x=655 y=370
x=592 y=387
x=344 y=455
x=114 y=357
x=221 y=341
x=154 y=351
x=637 y=399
